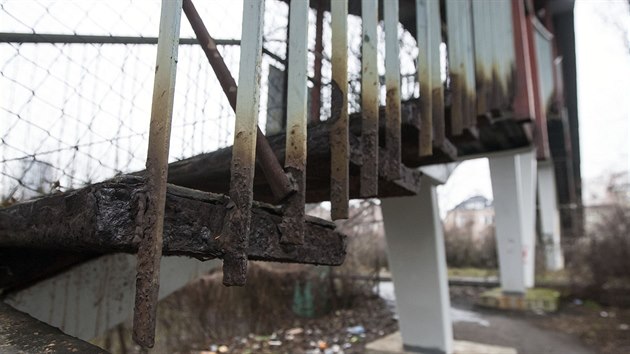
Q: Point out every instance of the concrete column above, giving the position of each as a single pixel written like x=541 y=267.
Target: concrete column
x=549 y=216
x=417 y=260
x=513 y=183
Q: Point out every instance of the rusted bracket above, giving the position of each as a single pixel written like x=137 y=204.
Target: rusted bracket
x=151 y=219
x=280 y=184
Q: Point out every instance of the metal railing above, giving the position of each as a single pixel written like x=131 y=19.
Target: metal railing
x=485 y=48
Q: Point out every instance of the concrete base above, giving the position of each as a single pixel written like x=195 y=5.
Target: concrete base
x=392 y=344
x=538 y=299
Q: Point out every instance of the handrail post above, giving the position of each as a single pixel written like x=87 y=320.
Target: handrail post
x=150 y=217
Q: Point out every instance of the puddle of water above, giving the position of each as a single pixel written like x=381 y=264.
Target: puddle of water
x=386 y=292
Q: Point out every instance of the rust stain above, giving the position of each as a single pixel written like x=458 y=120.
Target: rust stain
x=426 y=121
x=339 y=159
x=392 y=134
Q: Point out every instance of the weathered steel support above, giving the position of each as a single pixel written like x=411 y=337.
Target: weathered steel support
x=392 y=83
x=150 y=217
x=295 y=152
x=369 y=99
x=340 y=151
x=425 y=49
x=278 y=181
x=237 y=221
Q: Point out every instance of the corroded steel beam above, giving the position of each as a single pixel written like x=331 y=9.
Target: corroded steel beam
x=339 y=159
x=279 y=182
x=392 y=83
x=369 y=98
x=151 y=216
x=295 y=151
x=104 y=217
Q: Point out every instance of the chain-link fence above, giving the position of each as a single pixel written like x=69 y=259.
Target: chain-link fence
x=76 y=80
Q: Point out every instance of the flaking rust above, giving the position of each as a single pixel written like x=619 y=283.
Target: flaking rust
x=392 y=134
x=339 y=130
x=369 y=100
x=150 y=248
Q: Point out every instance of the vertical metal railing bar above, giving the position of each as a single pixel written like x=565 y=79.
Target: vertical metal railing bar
x=316 y=93
x=292 y=225
x=510 y=60
x=523 y=100
x=483 y=44
x=500 y=48
x=150 y=217
x=424 y=76
x=470 y=93
x=437 y=89
x=278 y=181
x=339 y=130
x=238 y=218
x=369 y=98
x=456 y=65
x=392 y=85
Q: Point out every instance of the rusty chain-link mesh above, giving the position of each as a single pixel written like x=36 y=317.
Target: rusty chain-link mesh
x=75 y=107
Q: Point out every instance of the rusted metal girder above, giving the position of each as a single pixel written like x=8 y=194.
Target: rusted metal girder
x=392 y=86
x=340 y=151
x=150 y=217
x=369 y=99
x=295 y=152
x=279 y=182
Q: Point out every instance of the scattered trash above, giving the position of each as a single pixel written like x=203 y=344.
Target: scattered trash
x=356 y=330
x=223 y=349
x=322 y=345
x=214 y=348
x=274 y=343
x=577 y=302
x=295 y=331
x=624 y=326
x=603 y=314
x=336 y=348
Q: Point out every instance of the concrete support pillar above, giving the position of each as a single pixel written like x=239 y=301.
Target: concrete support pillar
x=417 y=260
x=549 y=216
x=513 y=183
